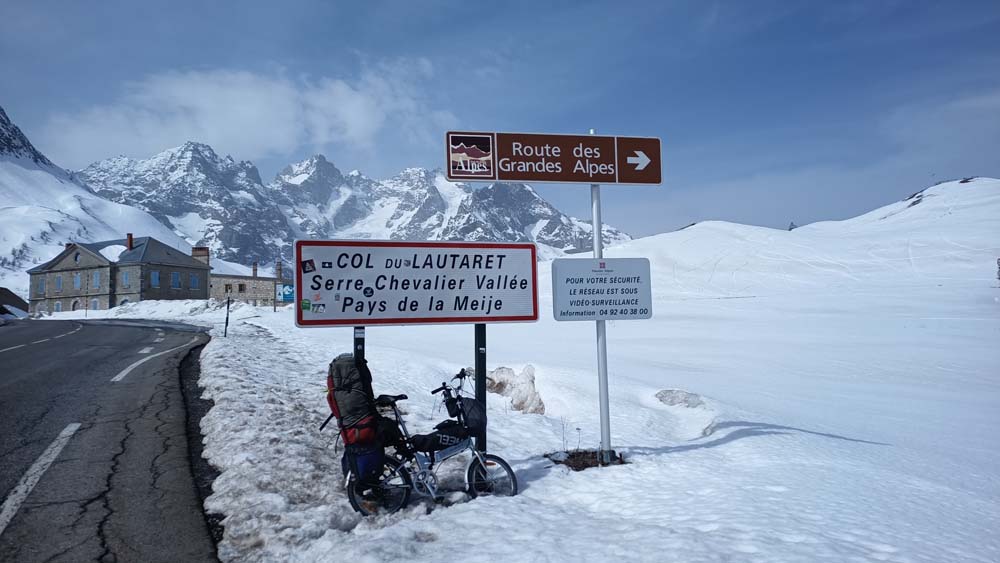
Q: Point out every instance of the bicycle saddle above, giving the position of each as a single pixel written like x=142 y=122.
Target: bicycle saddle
x=389 y=399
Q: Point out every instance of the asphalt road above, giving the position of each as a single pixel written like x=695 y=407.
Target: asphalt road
x=93 y=450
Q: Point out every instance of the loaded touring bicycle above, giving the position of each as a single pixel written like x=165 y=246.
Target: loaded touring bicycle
x=380 y=483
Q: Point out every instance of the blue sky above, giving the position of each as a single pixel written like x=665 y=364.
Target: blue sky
x=769 y=112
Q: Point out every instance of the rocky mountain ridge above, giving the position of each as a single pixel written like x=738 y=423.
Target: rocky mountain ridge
x=215 y=201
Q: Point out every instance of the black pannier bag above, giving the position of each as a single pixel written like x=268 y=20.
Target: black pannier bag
x=475 y=414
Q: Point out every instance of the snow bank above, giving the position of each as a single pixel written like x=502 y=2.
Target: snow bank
x=519 y=387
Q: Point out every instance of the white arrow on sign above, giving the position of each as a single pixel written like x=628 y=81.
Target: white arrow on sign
x=640 y=160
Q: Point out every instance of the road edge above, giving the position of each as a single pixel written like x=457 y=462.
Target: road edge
x=203 y=473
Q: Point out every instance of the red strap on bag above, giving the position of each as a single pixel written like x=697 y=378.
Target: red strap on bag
x=361 y=433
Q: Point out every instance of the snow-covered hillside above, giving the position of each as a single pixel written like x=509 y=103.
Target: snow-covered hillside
x=847 y=370
x=42 y=207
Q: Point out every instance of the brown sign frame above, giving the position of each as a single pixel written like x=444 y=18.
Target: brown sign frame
x=484 y=167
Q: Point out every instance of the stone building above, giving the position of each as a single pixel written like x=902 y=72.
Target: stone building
x=252 y=289
x=106 y=274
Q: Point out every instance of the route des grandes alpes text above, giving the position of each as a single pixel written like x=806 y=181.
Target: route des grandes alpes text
x=389 y=282
x=535 y=157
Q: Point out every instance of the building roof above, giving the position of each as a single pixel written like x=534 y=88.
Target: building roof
x=8 y=297
x=145 y=250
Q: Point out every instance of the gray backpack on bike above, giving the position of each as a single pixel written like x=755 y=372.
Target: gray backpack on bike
x=349 y=394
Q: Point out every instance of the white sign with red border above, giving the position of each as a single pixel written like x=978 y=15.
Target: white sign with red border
x=364 y=282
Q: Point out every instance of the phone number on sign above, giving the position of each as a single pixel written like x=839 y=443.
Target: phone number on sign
x=615 y=312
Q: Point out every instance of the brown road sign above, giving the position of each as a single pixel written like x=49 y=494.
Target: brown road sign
x=533 y=157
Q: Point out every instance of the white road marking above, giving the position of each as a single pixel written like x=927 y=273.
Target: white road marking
x=160 y=339
x=146 y=350
x=13 y=347
x=30 y=479
x=60 y=336
x=42 y=340
x=128 y=370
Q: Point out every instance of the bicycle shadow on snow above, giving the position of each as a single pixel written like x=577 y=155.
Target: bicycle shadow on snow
x=743 y=429
x=539 y=467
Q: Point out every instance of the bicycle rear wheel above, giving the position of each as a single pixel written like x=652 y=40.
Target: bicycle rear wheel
x=496 y=478
x=391 y=494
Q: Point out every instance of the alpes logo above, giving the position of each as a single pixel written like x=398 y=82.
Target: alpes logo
x=471 y=156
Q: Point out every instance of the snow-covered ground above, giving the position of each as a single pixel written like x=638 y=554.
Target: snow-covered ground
x=850 y=373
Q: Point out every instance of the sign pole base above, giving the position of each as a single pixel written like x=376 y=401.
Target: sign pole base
x=481 y=378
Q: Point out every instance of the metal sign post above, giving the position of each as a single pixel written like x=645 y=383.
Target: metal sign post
x=359 y=343
x=481 y=378
x=602 y=336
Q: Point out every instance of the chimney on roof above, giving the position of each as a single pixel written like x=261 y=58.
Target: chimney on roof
x=69 y=244
x=200 y=253
x=128 y=241
x=255 y=269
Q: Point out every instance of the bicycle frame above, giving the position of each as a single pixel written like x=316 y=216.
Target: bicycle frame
x=424 y=478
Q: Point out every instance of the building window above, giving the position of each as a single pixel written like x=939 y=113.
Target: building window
x=94 y=305
x=124 y=279
x=97 y=279
x=76 y=280
x=58 y=283
x=57 y=307
x=76 y=257
x=193 y=281
x=154 y=278
x=243 y=288
x=229 y=288
x=175 y=280
x=41 y=286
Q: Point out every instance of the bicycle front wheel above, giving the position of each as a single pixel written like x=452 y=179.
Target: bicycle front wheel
x=391 y=494
x=495 y=478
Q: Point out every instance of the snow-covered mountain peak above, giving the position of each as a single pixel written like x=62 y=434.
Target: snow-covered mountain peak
x=315 y=172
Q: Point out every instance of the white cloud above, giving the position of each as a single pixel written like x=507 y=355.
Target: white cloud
x=252 y=115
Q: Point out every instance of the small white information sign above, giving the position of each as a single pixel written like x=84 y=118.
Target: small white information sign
x=594 y=289
x=361 y=282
